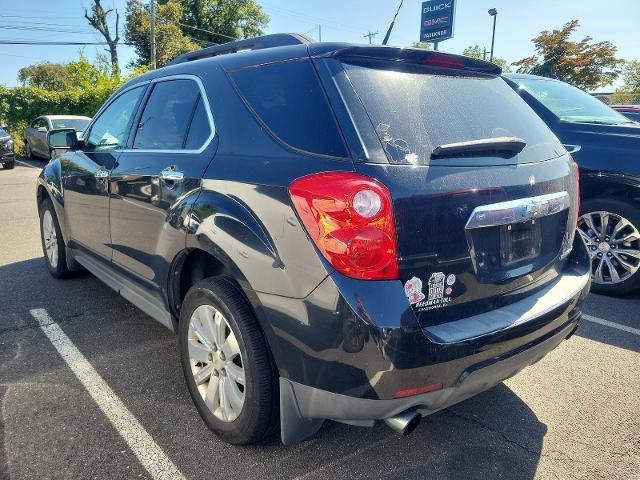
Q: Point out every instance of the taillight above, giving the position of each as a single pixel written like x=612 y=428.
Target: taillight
x=350 y=219
x=574 y=218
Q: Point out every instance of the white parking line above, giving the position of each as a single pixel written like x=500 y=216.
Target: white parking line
x=151 y=456
x=25 y=164
x=607 y=323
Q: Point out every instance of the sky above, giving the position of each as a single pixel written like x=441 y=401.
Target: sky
x=518 y=22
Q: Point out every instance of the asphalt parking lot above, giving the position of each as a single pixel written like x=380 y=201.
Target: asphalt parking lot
x=575 y=414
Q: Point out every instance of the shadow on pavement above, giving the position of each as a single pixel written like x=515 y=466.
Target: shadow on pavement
x=623 y=311
x=493 y=435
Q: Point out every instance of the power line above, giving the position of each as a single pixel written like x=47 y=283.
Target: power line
x=35 y=42
x=316 y=19
x=43 y=29
x=207 y=31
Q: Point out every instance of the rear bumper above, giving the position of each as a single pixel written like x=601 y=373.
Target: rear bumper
x=355 y=382
x=304 y=408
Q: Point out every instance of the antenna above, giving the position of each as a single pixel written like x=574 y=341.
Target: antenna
x=386 y=37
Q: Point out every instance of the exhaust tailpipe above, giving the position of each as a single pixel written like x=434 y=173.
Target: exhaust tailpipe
x=405 y=422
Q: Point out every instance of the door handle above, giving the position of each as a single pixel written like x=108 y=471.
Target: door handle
x=101 y=173
x=171 y=175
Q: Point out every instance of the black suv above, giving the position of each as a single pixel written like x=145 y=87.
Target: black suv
x=606 y=145
x=7 y=155
x=354 y=233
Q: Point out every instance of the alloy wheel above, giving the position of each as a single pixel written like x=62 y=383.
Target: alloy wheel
x=50 y=238
x=614 y=246
x=216 y=363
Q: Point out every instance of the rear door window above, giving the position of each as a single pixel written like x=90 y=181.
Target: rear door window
x=199 y=129
x=171 y=109
x=288 y=100
x=413 y=112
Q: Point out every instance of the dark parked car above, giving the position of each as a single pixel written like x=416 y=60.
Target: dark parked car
x=632 y=112
x=354 y=233
x=7 y=155
x=606 y=145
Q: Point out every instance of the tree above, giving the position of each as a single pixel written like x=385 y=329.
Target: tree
x=585 y=64
x=170 y=40
x=219 y=21
x=423 y=46
x=98 y=20
x=474 y=51
x=47 y=75
x=629 y=91
x=631 y=76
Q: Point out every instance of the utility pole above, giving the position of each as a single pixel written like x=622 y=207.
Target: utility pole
x=494 y=13
x=153 y=34
x=319 y=32
x=484 y=53
x=370 y=35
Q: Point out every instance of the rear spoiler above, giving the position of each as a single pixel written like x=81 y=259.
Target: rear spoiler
x=405 y=56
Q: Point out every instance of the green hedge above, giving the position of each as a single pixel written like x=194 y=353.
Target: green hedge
x=20 y=105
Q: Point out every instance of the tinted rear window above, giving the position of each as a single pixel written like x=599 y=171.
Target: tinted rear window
x=167 y=115
x=413 y=113
x=200 y=129
x=288 y=100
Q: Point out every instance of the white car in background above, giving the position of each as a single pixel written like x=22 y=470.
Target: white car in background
x=35 y=135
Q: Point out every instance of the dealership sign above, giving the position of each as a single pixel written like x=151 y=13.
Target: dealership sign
x=436 y=23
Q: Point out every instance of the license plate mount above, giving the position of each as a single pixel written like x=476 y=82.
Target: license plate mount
x=520 y=242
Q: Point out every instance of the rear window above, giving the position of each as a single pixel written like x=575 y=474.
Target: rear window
x=78 y=124
x=288 y=100
x=414 y=112
x=166 y=118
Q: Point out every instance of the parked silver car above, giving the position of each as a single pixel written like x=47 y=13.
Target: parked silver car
x=35 y=135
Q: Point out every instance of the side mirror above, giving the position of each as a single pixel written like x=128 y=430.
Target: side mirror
x=63 y=138
x=42 y=129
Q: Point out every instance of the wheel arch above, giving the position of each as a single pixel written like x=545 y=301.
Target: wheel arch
x=197 y=263
x=49 y=187
x=607 y=185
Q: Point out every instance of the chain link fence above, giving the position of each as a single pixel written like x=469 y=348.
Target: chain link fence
x=619 y=98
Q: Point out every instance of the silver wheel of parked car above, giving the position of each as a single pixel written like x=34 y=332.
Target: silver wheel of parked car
x=216 y=363
x=614 y=246
x=50 y=239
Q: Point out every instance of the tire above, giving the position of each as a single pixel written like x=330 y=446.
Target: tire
x=28 y=151
x=9 y=165
x=258 y=415
x=51 y=236
x=606 y=247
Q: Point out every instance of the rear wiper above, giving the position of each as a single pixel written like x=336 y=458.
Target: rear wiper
x=502 y=146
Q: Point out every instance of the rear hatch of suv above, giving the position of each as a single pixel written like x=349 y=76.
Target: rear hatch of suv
x=485 y=198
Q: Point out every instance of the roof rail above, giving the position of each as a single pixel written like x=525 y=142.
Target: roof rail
x=255 y=43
